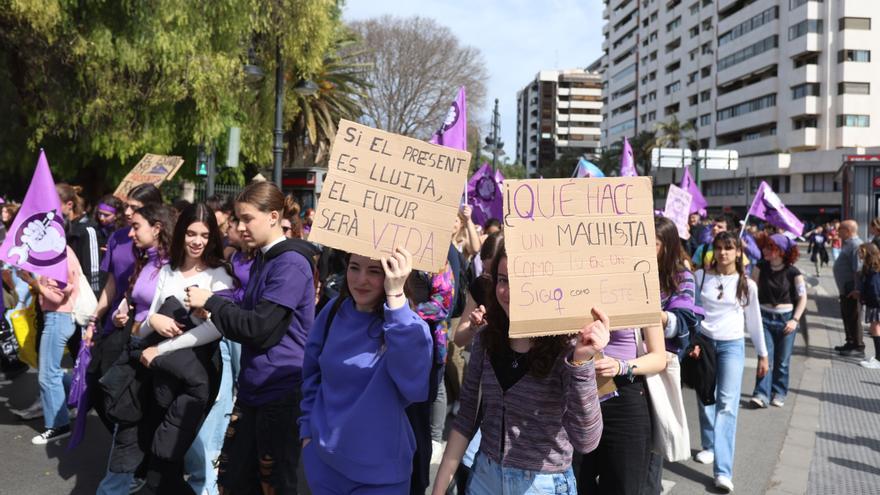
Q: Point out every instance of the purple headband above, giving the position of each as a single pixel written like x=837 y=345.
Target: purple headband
x=107 y=208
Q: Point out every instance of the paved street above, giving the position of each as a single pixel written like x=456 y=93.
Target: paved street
x=826 y=440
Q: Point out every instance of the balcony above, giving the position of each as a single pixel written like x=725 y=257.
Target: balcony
x=808 y=105
x=810 y=42
x=764 y=87
x=766 y=144
x=803 y=139
x=747 y=67
x=746 y=121
x=804 y=74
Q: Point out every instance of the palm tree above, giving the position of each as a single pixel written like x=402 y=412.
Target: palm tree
x=642 y=145
x=671 y=133
x=341 y=84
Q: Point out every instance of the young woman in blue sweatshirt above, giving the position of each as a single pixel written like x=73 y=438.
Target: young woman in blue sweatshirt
x=368 y=357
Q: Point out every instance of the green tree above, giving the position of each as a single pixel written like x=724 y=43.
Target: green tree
x=642 y=145
x=100 y=83
x=670 y=134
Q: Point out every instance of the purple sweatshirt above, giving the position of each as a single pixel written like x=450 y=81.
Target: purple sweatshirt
x=145 y=285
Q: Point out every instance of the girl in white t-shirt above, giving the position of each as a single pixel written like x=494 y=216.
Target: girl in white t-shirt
x=730 y=301
x=186 y=365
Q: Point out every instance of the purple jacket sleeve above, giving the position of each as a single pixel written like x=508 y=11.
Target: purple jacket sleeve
x=409 y=352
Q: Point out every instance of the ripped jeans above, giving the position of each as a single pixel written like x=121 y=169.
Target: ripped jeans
x=261 y=450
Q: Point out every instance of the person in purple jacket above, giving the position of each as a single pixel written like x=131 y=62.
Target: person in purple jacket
x=261 y=450
x=367 y=359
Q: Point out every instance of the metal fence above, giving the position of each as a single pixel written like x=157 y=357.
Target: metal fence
x=221 y=189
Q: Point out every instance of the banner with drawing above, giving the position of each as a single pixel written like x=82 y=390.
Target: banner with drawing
x=383 y=190
x=575 y=244
x=152 y=169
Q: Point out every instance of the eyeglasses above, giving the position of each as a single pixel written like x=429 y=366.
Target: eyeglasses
x=285 y=229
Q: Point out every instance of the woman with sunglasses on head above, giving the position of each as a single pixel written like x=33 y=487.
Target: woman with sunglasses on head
x=730 y=301
x=151 y=230
x=534 y=400
x=262 y=447
x=367 y=358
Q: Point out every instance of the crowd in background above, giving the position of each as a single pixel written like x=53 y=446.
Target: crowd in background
x=226 y=349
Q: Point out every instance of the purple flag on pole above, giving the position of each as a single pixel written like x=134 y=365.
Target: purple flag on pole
x=627 y=163
x=768 y=207
x=453 y=132
x=484 y=195
x=36 y=240
x=698 y=202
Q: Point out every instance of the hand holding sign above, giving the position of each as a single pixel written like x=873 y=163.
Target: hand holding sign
x=593 y=337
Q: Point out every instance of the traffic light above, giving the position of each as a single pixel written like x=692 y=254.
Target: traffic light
x=202 y=163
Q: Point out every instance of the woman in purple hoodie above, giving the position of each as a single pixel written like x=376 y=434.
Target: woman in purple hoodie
x=272 y=321
x=367 y=359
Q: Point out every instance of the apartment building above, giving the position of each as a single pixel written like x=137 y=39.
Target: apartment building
x=559 y=111
x=786 y=83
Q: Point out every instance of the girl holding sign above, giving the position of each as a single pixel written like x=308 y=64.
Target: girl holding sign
x=730 y=301
x=368 y=357
x=534 y=399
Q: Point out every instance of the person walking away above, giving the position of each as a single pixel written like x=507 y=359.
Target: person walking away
x=846 y=275
x=730 y=302
x=535 y=400
x=816 y=249
x=870 y=297
x=782 y=294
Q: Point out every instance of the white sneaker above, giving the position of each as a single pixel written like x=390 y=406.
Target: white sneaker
x=34 y=411
x=724 y=484
x=705 y=457
x=51 y=434
x=777 y=402
x=758 y=403
x=871 y=364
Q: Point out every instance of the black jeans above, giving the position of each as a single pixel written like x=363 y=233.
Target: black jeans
x=262 y=447
x=852 y=328
x=619 y=465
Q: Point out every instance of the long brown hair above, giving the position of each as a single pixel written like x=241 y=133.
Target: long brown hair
x=212 y=255
x=545 y=351
x=155 y=214
x=671 y=259
x=870 y=258
x=728 y=240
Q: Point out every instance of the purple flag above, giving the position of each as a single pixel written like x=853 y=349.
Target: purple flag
x=768 y=207
x=698 y=202
x=484 y=195
x=78 y=395
x=453 y=132
x=36 y=241
x=627 y=163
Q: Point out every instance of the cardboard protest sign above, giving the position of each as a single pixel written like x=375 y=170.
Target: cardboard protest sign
x=152 y=169
x=678 y=206
x=383 y=190
x=575 y=244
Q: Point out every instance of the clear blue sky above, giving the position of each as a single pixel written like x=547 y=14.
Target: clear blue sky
x=517 y=37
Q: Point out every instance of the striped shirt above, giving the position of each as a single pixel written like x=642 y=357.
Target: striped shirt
x=537 y=423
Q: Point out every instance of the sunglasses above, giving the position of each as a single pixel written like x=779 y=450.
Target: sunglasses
x=285 y=229
x=720 y=291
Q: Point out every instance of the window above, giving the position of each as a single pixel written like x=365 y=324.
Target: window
x=707 y=24
x=804 y=27
x=853 y=56
x=748 y=52
x=810 y=58
x=853 y=88
x=673 y=67
x=747 y=107
x=706 y=71
x=673 y=45
x=806 y=121
x=674 y=24
x=652 y=115
x=694 y=31
x=623 y=126
x=793 y=4
x=820 y=183
x=806 y=89
x=854 y=23
x=706 y=95
x=692 y=100
x=706 y=49
x=695 y=8
x=853 y=121
x=693 y=54
x=624 y=72
x=692 y=77
x=670 y=110
x=652 y=96
x=706 y=119
x=673 y=88
x=749 y=25
x=653 y=55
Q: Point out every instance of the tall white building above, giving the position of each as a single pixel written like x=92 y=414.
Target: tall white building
x=786 y=83
x=560 y=110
